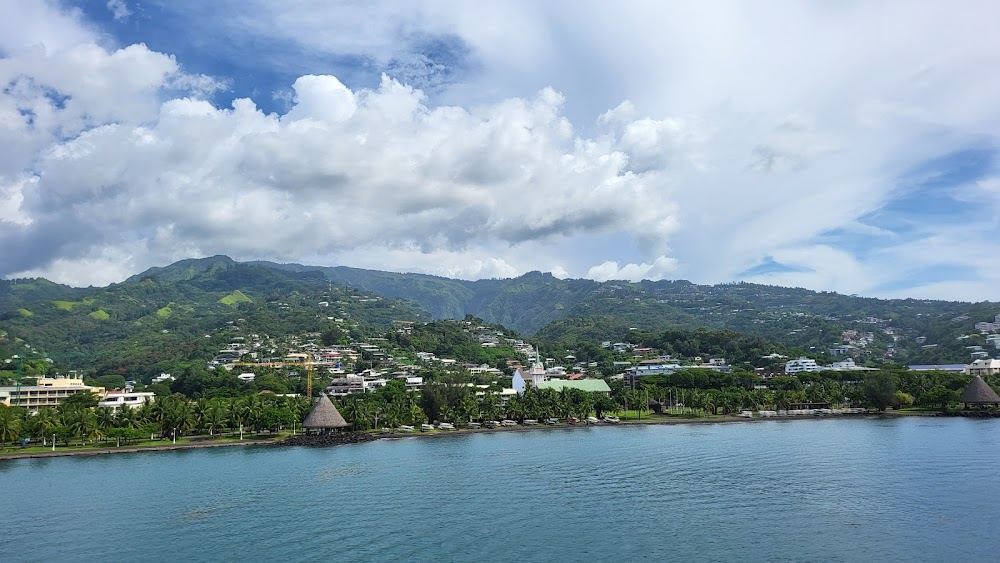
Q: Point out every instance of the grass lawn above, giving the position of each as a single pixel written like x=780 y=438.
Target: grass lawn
x=235 y=297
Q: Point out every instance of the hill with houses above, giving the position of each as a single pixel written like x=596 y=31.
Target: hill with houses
x=173 y=313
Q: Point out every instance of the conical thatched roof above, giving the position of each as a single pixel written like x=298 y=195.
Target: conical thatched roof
x=324 y=415
x=979 y=392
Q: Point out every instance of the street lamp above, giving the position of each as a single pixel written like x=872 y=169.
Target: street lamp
x=175 y=435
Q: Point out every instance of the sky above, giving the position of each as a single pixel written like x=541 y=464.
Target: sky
x=847 y=146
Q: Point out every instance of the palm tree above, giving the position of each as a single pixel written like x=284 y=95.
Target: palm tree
x=90 y=428
x=417 y=415
x=350 y=410
x=185 y=417
x=9 y=425
x=234 y=414
x=31 y=424
x=106 y=418
x=214 y=418
x=469 y=408
x=48 y=419
x=199 y=411
x=127 y=417
x=515 y=408
x=253 y=408
x=490 y=406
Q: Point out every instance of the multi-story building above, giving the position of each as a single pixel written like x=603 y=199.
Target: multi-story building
x=983 y=367
x=47 y=392
x=800 y=365
x=118 y=399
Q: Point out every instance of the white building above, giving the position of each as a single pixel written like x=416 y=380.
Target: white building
x=800 y=365
x=118 y=399
x=163 y=378
x=983 y=367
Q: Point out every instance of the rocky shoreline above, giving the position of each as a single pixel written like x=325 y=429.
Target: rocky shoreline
x=332 y=439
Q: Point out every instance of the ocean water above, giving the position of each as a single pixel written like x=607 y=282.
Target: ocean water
x=908 y=489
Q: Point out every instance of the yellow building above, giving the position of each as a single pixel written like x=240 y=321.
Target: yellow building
x=47 y=392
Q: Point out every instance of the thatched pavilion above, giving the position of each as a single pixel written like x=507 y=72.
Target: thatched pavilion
x=979 y=394
x=324 y=417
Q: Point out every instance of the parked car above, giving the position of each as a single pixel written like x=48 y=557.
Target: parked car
x=572 y=420
x=530 y=422
x=592 y=420
x=612 y=419
x=446 y=426
x=508 y=422
x=475 y=425
x=552 y=421
x=491 y=424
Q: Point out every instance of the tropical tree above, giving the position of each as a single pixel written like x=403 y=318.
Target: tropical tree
x=215 y=418
x=417 y=415
x=603 y=403
x=491 y=406
x=10 y=425
x=106 y=418
x=879 y=389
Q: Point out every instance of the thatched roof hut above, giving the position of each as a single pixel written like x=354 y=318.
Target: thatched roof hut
x=979 y=394
x=324 y=416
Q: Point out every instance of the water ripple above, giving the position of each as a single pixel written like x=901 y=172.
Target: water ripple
x=822 y=490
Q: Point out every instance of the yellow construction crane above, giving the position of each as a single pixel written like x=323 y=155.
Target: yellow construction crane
x=307 y=365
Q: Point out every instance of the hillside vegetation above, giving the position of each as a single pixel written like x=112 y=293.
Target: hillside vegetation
x=166 y=312
x=180 y=312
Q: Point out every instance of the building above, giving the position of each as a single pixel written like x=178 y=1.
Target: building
x=800 y=365
x=979 y=394
x=535 y=376
x=954 y=368
x=47 y=392
x=324 y=417
x=588 y=385
x=118 y=399
x=633 y=374
x=983 y=367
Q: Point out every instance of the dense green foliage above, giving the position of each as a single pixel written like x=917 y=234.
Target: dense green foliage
x=568 y=310
x=180 y=313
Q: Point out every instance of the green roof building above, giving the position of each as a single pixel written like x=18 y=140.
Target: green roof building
x=588 y=385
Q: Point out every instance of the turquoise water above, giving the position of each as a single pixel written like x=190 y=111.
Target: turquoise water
x=909 y=489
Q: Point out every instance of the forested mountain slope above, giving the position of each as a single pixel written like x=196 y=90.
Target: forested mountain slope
x=566 y=310
x=148 y=311
x=175 y=313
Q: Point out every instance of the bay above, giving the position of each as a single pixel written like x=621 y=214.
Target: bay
x=895 y=489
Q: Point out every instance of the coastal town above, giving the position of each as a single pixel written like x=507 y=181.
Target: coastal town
x=385 y=385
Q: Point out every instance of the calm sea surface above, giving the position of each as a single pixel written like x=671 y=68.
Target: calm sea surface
x=826 y=490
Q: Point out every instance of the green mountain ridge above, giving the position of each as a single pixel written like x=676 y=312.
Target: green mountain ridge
x=156 y=310
x=179 y=312
x=566 y=310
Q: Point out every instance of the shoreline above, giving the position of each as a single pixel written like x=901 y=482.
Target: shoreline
x=134 y=449
x=651 y=421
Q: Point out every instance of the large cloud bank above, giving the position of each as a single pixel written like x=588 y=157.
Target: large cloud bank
x=698 y=142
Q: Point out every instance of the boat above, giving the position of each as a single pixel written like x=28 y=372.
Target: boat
x=426 y=427
x=406 y=428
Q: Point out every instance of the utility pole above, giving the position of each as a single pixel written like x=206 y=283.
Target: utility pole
x=20 y=367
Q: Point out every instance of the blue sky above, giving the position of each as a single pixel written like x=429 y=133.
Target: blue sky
x=836 y=146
